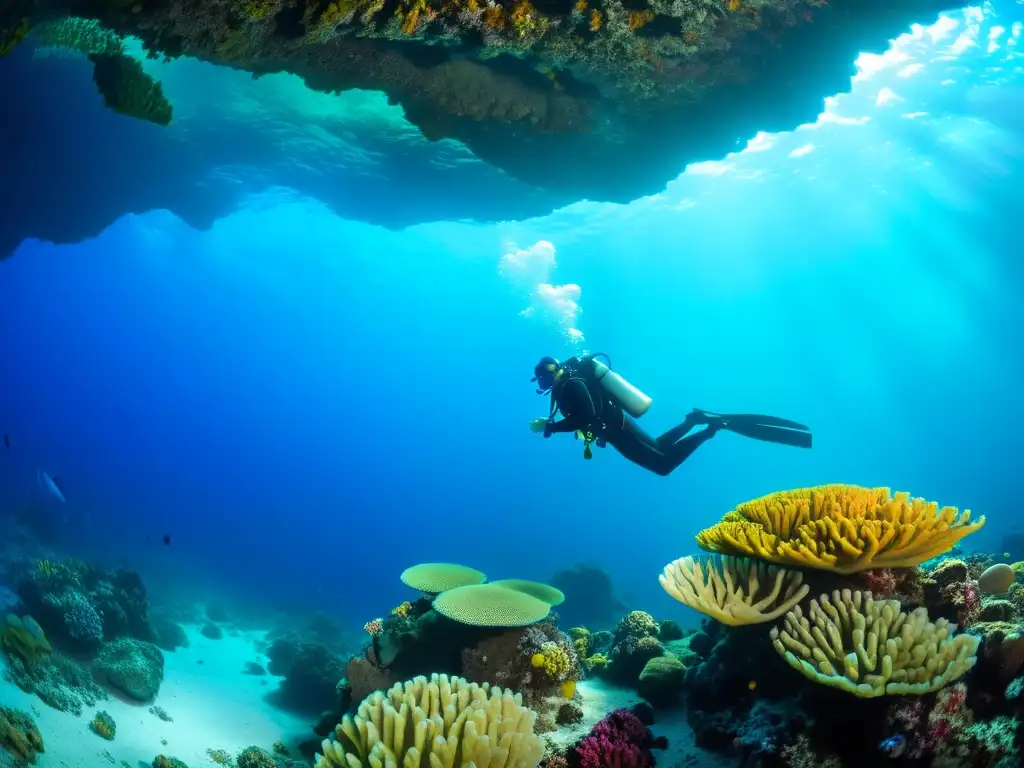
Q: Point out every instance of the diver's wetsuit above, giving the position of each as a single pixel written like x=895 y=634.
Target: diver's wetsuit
x=590 y=409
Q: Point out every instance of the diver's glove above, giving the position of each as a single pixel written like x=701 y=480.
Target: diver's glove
x=547 y=429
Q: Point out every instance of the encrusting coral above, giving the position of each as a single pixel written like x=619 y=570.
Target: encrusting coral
x=840 y=528
x=734 y=591
x=871 y=648
x=449 y=721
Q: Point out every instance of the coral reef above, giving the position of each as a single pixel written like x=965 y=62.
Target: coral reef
x=620 y=740
x=59 y=681
x=590 y=597
x=23 y=638
x=80 y=606
x=872 y=648
x=103 y=725
x=661 y=680
x=840 y=528
x=19 y=735
x=311 y=673
x=254 y=757
x=448 y=719
x=168 y=634
x=131 y=667
x=734 y=590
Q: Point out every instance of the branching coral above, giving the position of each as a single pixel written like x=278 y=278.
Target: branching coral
x=870 y=648
x=449 y=721
x=734 y=591
x=842 y=528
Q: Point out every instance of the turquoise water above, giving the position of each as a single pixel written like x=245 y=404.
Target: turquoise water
x=306 y=404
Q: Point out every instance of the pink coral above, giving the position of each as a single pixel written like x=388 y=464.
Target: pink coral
x=618 y=741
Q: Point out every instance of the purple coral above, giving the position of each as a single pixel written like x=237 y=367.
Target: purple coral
x=620 y=740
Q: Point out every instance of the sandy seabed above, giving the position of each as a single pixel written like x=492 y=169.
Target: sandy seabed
x=214 y=705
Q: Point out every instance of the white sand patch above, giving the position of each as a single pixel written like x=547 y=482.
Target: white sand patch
x=213 y=706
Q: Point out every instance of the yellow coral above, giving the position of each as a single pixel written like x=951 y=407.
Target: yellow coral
x=433 y=722
x=735 y=591
x=257 y=9
x=595 y=20
x=402 y=610
x=494 y=17
x=525 y=20
x=639 y=19
x=581 y=646
x=871 y=648
x=841 y=528
x=553 y=659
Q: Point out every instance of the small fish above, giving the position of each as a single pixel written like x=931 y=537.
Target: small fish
x=7 y=442
x=167 y=539
x=51 y=486
x=752 y=685
x=894 y=746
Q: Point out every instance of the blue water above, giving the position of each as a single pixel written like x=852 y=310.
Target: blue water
x=307 y=405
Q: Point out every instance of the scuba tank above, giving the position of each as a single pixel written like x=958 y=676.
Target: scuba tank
x=630 y=399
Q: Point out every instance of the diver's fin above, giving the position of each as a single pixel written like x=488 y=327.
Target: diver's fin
x=771 y=429
x=798 y=438
x=764 y=421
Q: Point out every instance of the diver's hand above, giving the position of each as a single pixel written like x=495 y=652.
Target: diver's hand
x=538 y=425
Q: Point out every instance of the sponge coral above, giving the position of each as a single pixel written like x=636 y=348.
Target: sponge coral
x=735 y=591
x=841 y=528
x=870 y=648
x=448 y=721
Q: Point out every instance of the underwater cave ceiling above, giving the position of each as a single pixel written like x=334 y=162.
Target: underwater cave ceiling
x=599 y=99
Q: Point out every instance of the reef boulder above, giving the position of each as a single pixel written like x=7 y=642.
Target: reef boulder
x=131 y=667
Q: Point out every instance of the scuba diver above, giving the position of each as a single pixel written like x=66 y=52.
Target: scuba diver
x=600 y=406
